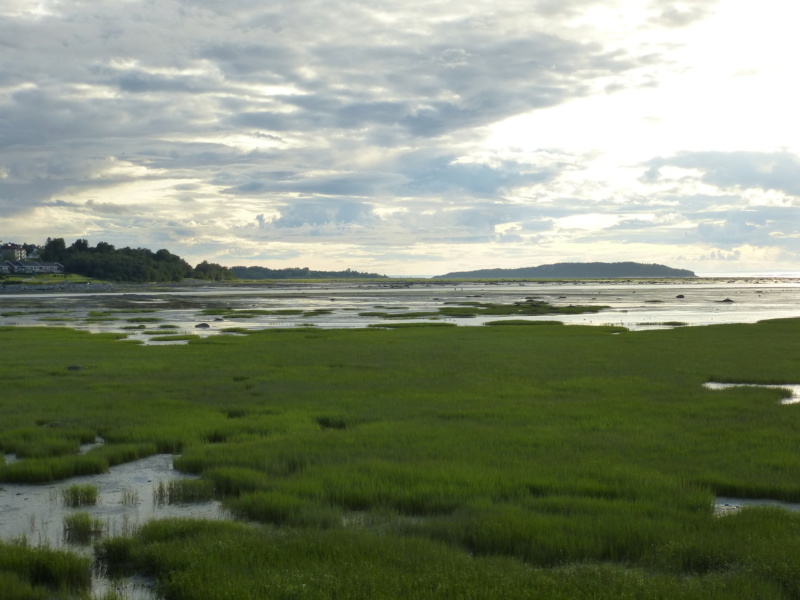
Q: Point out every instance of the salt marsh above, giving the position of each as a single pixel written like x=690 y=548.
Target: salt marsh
x=544 y=458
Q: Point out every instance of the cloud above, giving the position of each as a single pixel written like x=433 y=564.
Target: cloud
x=444 y=175
x=330 y=212
x=215 y=127
x=674 y=14
x=741 y=170
x=758 y=227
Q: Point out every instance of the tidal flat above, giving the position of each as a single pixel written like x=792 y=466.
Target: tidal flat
x=160 y=314
x=555 y=461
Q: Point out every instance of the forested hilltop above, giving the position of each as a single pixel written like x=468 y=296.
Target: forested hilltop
x=592 y=270
x=299 y=273
x=138 y=265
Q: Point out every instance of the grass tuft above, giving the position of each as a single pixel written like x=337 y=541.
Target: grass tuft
x=81 y=528
x=79 y=495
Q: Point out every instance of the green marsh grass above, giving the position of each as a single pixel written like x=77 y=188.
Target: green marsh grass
x=181 y=491
x=522 y=322
x=41 y=573
x=237 y=330
x=159 y=337
x=79 y=495
x=81 y=528
x=52 y=469
x=44 y=437
x=550 y=461
x=467 y=310
x=130 y=497
x=407 y=325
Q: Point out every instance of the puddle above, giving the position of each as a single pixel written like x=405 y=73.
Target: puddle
x=129 y=588
x=126 y=499
x=726 y=506
x=791 y=387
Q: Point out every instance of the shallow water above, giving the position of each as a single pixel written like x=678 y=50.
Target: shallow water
x=791 y=387
x=126 y=500
x=634 y=304
x=37 y=511
x=725 y=506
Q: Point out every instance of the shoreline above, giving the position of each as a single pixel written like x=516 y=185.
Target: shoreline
x=32 y=288
x=189 y=284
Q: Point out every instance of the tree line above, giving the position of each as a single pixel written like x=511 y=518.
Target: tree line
x=139 y=265
x=299 y=273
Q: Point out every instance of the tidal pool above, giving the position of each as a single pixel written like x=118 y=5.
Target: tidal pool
x=126 y=500
x=727 y=506
x=791 y=387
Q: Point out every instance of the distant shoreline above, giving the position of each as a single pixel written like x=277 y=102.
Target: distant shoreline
x=144 y=288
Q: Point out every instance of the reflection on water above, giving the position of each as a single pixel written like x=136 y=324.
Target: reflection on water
x=726 y=506
x=126 y=500
x=634 y=304
x=791 y=387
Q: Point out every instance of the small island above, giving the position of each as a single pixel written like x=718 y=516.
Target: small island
x=592 y=270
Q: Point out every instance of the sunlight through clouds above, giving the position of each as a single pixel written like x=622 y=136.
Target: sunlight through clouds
x=413 y=137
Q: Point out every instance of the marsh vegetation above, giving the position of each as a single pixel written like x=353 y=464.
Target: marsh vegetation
x=79 y=495
x=425 y=462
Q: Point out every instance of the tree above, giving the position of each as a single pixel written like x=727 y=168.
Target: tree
x=54 y=250
x=213 y=272
x=104 y=247
x=79 y=246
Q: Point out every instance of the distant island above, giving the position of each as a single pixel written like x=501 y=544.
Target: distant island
x=298 y=273
x=593 y=270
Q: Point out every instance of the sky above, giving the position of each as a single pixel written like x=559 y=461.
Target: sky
x=406 y=137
